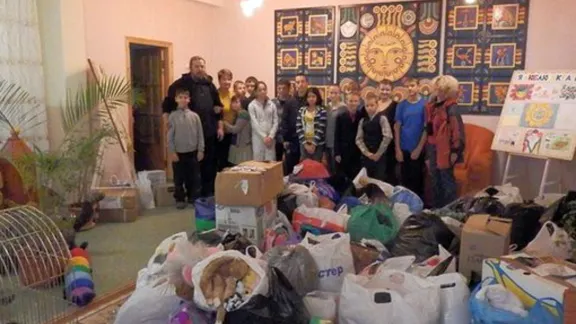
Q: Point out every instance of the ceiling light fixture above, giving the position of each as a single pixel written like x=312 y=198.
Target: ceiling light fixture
x=470 y=1
x=249 y=6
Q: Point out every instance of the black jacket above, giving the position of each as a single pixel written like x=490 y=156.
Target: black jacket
x=345 y=134
x=288 y=122
x=203 y=98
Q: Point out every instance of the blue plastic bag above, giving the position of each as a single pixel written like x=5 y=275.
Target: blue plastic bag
x=405 y=196
x=483 y=313
x=205 y=208
x=349 y=201
x=326 y=190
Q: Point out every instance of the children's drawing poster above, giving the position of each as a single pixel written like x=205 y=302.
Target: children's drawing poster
x=539 y=115
x=485 y=43
x=304 y=41
x=391 y=41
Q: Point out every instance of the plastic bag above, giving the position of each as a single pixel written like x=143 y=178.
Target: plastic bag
x=525 y=222
x=148 y=305
x=322 y=188
x=310 y=170
x=487 y=205
x=188 y=313
x=482 y=311
x=280 y=234
x=145 y=192
x=454 y=295
x=401 y=212
x=405 y=196
x=287 y=205
x=350 y=202
x=333 y=258
x=304 y=195
x=362 y=180
x=205 y=214
x=297 y=265
x=157 y=261
x=322 y=305
x=209 y=296
x=552 y=241
x=372 y=222
x=320 y=218
x=420 y=235
x=389 y=297
x=506 y=194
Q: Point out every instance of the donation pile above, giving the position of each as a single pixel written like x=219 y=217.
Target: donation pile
x=293 y=250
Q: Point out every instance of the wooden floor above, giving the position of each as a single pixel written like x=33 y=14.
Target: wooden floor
x=102 y=310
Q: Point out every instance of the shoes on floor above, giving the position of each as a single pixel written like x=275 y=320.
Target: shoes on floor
x=181 y=205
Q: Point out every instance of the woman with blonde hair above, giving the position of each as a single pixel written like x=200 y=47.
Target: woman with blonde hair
x=445 y=139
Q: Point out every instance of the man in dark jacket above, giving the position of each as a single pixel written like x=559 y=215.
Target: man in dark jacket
x=301 y=88
x=205 y=101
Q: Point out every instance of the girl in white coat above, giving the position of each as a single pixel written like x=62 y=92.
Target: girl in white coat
x=264 y=122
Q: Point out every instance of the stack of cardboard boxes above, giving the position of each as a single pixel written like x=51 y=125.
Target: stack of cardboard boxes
x=246 y=198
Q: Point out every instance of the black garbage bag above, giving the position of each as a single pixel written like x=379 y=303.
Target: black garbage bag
x=487 y=205
x=287 y=205
x=297 y=265
x=564 y=207
x=525 y=222
x=420 y=235
x=282 y=306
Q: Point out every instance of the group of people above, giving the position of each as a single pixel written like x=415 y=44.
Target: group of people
x=211 y=128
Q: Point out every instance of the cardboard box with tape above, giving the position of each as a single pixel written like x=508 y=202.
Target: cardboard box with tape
x=250 y=183
x=483 y=236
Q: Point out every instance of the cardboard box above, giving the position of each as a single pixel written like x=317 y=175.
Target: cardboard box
x=156 y=177
x=520 y=273
x=164 y=195
x=483 y=237
x=246 y=220
x=249 y=184
x=120 y=205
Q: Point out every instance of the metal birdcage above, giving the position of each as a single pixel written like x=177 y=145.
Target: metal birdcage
x=33 y=260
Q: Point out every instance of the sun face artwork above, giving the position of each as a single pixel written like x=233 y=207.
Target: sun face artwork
x=541 y=115
x=521 y=92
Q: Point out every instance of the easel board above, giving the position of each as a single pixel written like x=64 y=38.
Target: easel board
x=539 y=115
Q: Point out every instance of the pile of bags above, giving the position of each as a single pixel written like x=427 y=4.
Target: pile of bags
x=370 y=255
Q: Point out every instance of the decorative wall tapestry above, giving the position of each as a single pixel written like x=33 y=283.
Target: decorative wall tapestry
x=484 y=44
x=389 y=41
x=304 y=41
x=538 y=116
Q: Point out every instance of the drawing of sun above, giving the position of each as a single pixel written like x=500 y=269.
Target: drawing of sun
x=538 y=114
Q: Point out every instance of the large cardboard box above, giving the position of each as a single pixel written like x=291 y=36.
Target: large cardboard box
x=523 y=275
x=483 y=237
x=164 y=195
x=249 y=184
x=120 y=205
x=246 y=220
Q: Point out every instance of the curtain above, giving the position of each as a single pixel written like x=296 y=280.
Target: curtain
x=21 y=64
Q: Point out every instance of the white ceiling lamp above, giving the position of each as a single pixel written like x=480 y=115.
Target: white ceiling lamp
x=249 y=6
x=470 y=1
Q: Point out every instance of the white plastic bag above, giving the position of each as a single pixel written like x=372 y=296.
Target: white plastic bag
x=323 y=305
x=144 y=186
x=334 y=221
x=507 y=194
x=261 y=287
x=551 y=241
x=158 y=259
x=151 y=305
x=333 y=258
x=362 y=180
x=304 y=194
x=454 y=295
x=401 y=212
x=389 y=297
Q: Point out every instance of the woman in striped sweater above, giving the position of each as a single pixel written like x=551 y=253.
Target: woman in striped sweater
x=311 y=126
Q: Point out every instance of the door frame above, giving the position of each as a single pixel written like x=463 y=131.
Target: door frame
x=168 y=79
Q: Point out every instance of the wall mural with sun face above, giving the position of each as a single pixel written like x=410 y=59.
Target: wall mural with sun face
x=304 y=44
x=484 y=44
x=388 y=41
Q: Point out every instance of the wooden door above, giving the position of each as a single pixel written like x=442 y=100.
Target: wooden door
x=148 y=71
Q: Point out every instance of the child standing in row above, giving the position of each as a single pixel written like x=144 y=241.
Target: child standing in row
x=374 y=135
x=335 y=108
x=311 y=126
x=264 y=122
x=410 y=138
x=346 y=152
x=240 y=148
x=388 y=106
x=445 y=142
x=186 y=145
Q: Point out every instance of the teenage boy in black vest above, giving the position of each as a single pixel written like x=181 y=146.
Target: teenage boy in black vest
x=346 y=153
x=374 y=135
